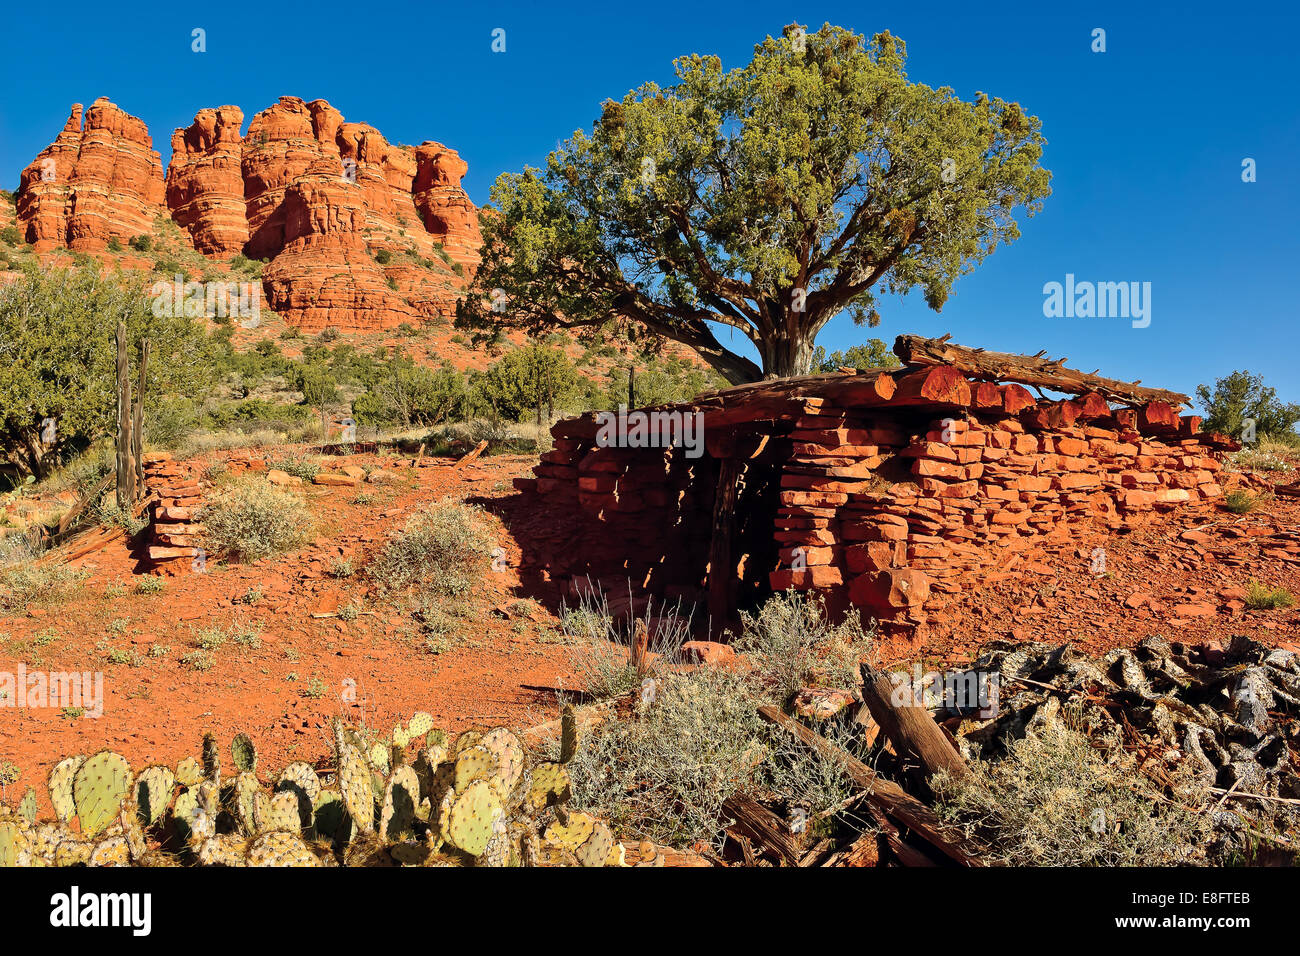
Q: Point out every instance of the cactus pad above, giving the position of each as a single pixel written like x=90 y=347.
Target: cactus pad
x=358 y=792
x=244 y=754
x=279 y=848
x=224 y=850
x=509 y=755
x=473 y=816
x=189 y=772
x=302 y=776
x=550 y=785
x=400 y=799
x=419 y=725
x=100 y=786
x=153 y=791
x=473 y=763
x=283 y=812
x=576 y=830
x=15 y=848
x=596 y=850
x=27 y=808
x=111 y=852
x=60 y=782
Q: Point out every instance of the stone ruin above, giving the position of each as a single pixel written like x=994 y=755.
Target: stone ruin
x=893 y=491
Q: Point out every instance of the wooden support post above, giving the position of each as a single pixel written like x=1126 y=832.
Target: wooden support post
x=721 y=569
x=137 y=419
x=910 y=727
x=125 y=465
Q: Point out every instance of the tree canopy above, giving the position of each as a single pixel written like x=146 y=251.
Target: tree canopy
x=58 y=358
x=1240 y=396
x=768 y=199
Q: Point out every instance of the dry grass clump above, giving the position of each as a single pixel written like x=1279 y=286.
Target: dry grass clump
x=250 y=519
x=442 y=550
x=792 y=641
x=25 y=584
x=602 y=644
x=1056 y=800
x=694 y=737
x=1240 y=502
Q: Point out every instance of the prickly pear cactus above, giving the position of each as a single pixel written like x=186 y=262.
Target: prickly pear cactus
x=378 y=756
x=189 y=772
x=550 y=785
x=475 y=763
x=283 y=813
x=100 y=786
x=572 y=832
x=225 y=849
x=358 y=793
x=153 y=791
x=508 y=754
x=279 y=848
x=243 y=797
x=400 y=799
x=244 y=754
x=15 y=849
x=211 y=758
x=330 y=817
x=568 y=734
x=27 y=808
x=419 y=725
x=596 y=849
x=473 y=816
x=60 y=782
x=303 y=777
x=112 y=851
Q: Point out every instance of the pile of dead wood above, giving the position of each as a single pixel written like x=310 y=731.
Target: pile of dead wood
x=903 y=829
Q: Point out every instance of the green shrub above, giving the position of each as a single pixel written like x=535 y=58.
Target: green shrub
x=383 y=257
x=251 y=519
x=114 y=244
x=11 y=236
x=1240 y=502
x=442 y=549
x=1261 y=598
x=141 y=243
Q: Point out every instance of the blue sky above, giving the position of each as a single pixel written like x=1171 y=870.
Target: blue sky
x=1145 y=141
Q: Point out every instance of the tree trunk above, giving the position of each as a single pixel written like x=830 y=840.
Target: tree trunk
x=786 y=356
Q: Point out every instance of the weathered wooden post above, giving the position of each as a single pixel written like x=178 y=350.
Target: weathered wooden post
x=125 y=464
x=137 y=419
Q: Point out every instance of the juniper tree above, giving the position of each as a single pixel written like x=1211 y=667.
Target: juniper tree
x=766 y=199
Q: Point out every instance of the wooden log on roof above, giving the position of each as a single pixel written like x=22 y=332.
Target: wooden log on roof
x=1027 y=370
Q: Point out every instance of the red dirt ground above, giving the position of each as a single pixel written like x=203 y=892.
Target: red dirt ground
x=1179 y=577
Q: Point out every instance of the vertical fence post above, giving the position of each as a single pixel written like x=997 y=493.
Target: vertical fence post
x=137 y=420
x=125 y=467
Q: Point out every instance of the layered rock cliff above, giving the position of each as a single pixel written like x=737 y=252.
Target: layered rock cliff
x=323 y=199
x=98 y=180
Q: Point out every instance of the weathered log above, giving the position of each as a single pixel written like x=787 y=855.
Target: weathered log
x=761 y=826
x=474 y=453
x=909 y=726
x=1025 y=369
x=884 y=794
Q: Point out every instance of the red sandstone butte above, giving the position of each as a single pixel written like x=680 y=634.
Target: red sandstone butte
x=98 y=180
x=319 y=196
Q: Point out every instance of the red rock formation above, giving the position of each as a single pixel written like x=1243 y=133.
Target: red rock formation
x=96 y=181
x=205 y=181
x=445 y=208
x=320 y=197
